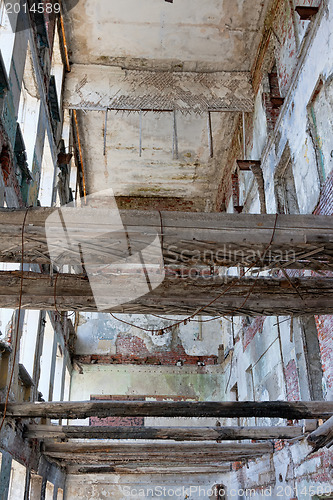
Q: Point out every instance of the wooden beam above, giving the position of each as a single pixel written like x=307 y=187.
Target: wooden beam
x=153 y=459
x=176 y=295
x=189 y=239
x=149 y=469
x=323 y=436
x=236 y=409
x=160 y=454
x=172 y=433
x=100 y=447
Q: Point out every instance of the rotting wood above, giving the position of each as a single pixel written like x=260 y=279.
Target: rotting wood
x=158 y=453
x=149 y=469
x=188 y=295
x=102 y=447
x=189 y=238
x=235 y=409
x=172 y=433
x=153 y=459
x=323 y=436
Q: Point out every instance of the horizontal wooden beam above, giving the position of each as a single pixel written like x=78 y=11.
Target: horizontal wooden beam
x=172 y=433
x=157 y=458
x=236 y=409
x=189 y=239
x=154 y=460
x=102 y=447
x=247 y=296
x=147 y=455
x=149 y=469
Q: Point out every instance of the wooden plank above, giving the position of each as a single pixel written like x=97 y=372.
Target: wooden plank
x=149 y=469
x=159 y=454
x=104 y=447
x=153 y=459
x=251 y=296
x=235 y=409
x=323 y=436
x=188 y=238
x=172 y=433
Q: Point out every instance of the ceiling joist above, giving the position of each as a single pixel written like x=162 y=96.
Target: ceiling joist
x=235 y=409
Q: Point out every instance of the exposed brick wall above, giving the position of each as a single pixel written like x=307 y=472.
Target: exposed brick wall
x=7 y=166
x=117 y=421
x=325 y=323
x=272 y=113
x=131 y=349
x=155 y=203
x=293 y=393
x=325 y=335
x=251 y=330
x=325 y=204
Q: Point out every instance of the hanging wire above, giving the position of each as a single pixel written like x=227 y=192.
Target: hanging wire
x=17 y=322
x=198 y=311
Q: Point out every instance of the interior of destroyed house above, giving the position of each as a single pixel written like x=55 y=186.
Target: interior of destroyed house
x=166 y=249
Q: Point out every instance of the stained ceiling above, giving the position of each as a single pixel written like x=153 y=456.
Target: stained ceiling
x=133 y=56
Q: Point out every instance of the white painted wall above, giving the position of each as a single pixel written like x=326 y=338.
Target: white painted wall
x=7 y=37
x=46 y=360
x=28 y=340
x=48 y=175
x=17 y=481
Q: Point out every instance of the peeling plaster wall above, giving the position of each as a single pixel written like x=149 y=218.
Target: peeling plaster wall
x=100 y=333
x=264 y=358
x=189 y=36
x=157 y=173
x=272 y=351
x=119 y=487
x=201 y=382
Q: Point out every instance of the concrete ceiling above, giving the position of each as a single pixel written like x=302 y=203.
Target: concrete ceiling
x=188 y=36
x=193 y=35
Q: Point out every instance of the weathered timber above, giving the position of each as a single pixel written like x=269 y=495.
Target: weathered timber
x=249 y=296
x=97 y=447
x=82 y=409
x=149 y=469
x=158 y=454
x=172 y=433
x=189 y=239
x=323 y=436
x=153 y=459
